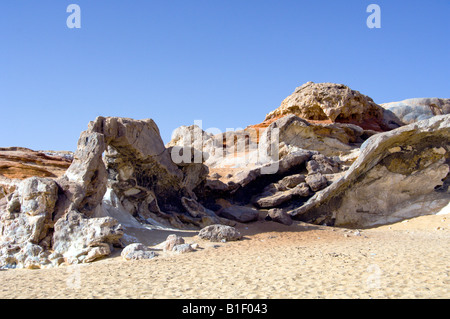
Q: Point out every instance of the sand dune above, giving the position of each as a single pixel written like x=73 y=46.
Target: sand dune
x=404 y=260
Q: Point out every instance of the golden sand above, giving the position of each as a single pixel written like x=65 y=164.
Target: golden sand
x=403 y=260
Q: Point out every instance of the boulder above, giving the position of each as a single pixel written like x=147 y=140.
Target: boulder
x=400 y=174
x=137 y=251
x=97 y=252
x=301 y=190
x=172 y=241
x=321 y=164
x=217 y=233
x=276 y=194
x=279 y=216
x=273 y=200
x=241 y=214
x=316 y=182
x=183 y=248
x=292 y=180
x=75 y=235
x=143 y=175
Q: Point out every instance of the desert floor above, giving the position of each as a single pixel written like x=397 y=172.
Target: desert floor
x=404 y=260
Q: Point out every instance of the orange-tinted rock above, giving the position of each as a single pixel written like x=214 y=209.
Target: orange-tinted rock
x=337 y=103
x=21 y=163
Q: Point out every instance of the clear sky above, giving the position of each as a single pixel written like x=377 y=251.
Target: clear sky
x=225 y=62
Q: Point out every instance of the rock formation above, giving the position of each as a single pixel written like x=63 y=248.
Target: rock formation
x=413 y=110
x=333 y=139
x=20 y=163
x=336 y=103
x=327 y=155
x=66 y=215
x=190 y=144
x=81 y=239
x=138 y=169
x=25 y=223
x=325 y=117
x=320 y=128
x=400 y=174
x=84 y=183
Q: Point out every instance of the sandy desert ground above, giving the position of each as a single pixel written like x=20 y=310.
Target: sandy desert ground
x=404 y=260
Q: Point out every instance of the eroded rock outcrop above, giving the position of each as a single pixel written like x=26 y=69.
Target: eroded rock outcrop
x=329 y=139
x=84 y=183
x=190 y=144
x=81 y=239
x=245 y=183
x=21 y=163
x=194 y=139
x=29 y=231
x=148 y=184
x=417 y=109
x=400 y=174
x=125 y=157
x=123 y=177
x=129 y=157
x=25 y=223
x=336 y=103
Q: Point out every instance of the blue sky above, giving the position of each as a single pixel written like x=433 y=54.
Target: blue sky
x=225 y=62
